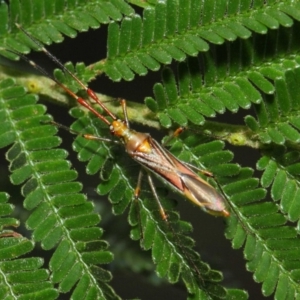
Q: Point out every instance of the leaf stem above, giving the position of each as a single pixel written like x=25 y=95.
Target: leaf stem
x=237 y=135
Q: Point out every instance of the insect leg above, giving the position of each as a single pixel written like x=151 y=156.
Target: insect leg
x=124 y=108
x=10 y=233
x=176 y=133
x=137 y=193
x=165 y=218
x=161 y=209
x=84 y=135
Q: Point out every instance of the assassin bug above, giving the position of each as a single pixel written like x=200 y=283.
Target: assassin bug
x=152 y=156
x=145 y=150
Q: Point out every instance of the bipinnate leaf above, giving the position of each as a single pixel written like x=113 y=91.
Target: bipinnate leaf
x=53 y=21
x=60 y=216
x=227 y=57
x=21 y=277
x=181 y=30
x=172 y=250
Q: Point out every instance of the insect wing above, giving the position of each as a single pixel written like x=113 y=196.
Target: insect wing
x=164 y=164
x=204 y=195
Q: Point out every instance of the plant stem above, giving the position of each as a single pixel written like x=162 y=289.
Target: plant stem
x=237 y=135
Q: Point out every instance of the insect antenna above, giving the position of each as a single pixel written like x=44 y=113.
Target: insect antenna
x=90 y=92
x=80 y=100
x=149 y=153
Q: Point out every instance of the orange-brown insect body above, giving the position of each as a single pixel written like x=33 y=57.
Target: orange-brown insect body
x=151 y=155
x=146 y=151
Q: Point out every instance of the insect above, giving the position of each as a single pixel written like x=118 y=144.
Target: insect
x=145 y=150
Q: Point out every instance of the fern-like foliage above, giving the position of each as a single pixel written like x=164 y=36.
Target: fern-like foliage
x=59 y=18
x=194 y=98
x=60 y=215
x=268 y=241
x=20 y=277
x=227 y=56
x=272 y=250
x=280 y=112
x=171 y=249
x=182 y=29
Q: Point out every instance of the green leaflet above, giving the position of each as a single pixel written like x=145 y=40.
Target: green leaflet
x=63 y=18
x=242 y=65
x=277 y=117
x=239 y=186
x=21 y=277
x=189 y=100
x=120 y=184
x=174 y=25
x=58 y=211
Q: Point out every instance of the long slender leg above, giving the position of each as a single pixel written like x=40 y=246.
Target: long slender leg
x=84 y=135
x=10 y=234
x=176 y=133
x=137 y=190
x=137 y=193
x=209 y=174
x=164 y=216
x=204 y=172
x=124 y=108
x=161 y=209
